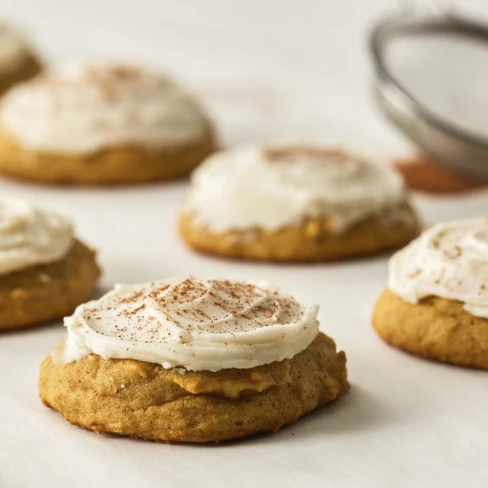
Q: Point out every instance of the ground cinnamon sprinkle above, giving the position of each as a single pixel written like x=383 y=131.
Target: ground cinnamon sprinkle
x=283 y=154
x=423 y=175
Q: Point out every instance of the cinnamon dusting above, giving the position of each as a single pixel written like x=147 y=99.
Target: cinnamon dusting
x=111 y=82
x=289 y=154
x=194 y=307
x=453 y=253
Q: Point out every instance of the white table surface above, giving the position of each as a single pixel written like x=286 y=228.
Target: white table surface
x=265 y=68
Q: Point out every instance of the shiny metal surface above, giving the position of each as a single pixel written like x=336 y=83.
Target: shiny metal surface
x=448 y=144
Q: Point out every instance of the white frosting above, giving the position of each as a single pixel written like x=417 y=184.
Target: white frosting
x=450 y=260
x=278 y=186
x=86 y=108
x=31 y=236
x=13 y=49
x=192 y=323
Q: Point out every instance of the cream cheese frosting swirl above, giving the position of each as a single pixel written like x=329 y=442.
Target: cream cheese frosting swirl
x=450 y=260
x=30 y=236
x=88 y=107
x=276 y=186
x=192 y=323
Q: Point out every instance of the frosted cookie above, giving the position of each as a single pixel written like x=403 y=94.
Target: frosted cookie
x=192 y=360
x=295 y=203
x=44 y=271
x=436 y=304
x=18 y=62
x=100 y=124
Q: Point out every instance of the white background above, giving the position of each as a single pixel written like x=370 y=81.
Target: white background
x=265 y=68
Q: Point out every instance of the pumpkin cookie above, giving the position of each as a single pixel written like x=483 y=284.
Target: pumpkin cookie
x=296 y=203
x=18 y=62
x=44 y=272
x=102 y=124
x=193 y=361
x=437 y=302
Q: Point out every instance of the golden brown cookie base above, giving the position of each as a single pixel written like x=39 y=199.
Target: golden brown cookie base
x=127 y=397
x=435 y=328
x=111 y=166
x=29 y=68
x=47 y=292
x=311 y=241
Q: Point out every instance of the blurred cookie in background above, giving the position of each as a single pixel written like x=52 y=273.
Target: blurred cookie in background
x=45 y=271
x=18 y=61
x=102 y=123
x=298 y=202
